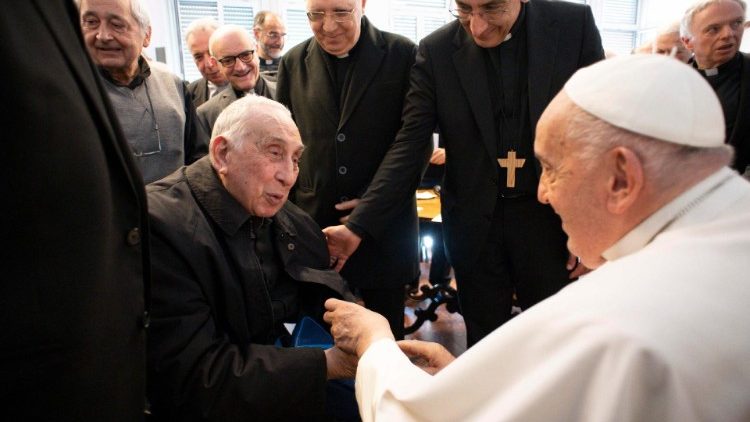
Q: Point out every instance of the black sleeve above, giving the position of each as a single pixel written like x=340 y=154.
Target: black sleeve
x=196 y=145
x=401 y=170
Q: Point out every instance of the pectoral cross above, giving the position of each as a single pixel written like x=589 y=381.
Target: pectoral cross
x=511 y=163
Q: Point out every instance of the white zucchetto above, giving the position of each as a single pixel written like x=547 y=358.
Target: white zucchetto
x=652 y=95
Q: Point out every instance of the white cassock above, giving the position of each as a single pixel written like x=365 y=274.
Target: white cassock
x=661 y=332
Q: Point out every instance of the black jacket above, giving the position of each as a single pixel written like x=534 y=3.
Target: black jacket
x=343 y=149
x=449 y=88
x=740 y=136
x=72 y=344
x=211 y=353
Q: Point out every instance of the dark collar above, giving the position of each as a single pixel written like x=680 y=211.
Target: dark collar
x=268 y=62
x=221 y=206
x=353 y=52
x=260 y=85
x=144 y=71
x=214 y=198
x=520 y=21
x=730 y=66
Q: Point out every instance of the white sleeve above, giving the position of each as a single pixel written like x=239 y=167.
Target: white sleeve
x=527 y=370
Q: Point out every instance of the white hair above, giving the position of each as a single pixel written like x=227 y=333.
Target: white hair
x=137 y=10
x=663 y=161
x=687 y=19
x=202 y=24
x=247 y=118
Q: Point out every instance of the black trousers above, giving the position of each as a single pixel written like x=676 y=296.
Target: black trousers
x=525 y=254
x=440 y=269
x=390 y=304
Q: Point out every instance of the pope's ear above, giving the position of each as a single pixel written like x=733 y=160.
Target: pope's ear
x=626 y=179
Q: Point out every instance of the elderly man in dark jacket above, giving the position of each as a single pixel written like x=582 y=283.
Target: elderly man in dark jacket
x=232 y=262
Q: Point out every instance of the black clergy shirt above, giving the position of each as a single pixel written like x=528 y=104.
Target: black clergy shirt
x=507 y=70
x=725 y=80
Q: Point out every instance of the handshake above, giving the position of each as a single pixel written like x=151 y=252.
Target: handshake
x=355 y=328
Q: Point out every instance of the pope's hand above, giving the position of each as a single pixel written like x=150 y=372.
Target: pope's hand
x=353 y=327
x=431 y=357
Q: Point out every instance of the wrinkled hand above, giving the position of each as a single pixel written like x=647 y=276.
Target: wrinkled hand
x=353 y=327
x=576 y=267
x=340 y=364
x=430 y=357
x=346 y=206
x=342 y=243
x=438 y=156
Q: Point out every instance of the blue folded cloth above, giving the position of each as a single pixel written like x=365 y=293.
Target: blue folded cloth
x=308 y=333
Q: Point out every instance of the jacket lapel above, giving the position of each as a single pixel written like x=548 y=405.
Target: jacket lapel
x=320 y=81
x=371 y=55
x=542 y=39
x=468 y=60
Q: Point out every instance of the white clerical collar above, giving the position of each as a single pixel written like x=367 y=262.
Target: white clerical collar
x=645 y=232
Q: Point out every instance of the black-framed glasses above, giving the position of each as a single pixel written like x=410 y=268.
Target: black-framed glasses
x=229 y=61
x=339 y=16
x=275 y=35
x=489 y=12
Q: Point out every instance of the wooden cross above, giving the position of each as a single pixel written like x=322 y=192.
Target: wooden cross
x=511 y=163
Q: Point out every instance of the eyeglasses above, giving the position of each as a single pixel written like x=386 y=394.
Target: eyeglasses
x=337 y=16
x=490 y=12
x=276 y=35
x=229 y=61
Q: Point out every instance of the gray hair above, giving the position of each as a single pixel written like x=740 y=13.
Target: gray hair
x=687 y=19
x=261 y=17
x=202 y=24
x=246 y=119
x=662 y=160
x=137 y=10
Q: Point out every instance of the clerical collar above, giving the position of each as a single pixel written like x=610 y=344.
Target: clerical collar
x=353 y=51
x=518 y=23
x=726 y=67
x=144 y=71
x=270 y=61
x=662 y=219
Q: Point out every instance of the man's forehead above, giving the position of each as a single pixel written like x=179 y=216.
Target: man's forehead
x=483 y=3
x=198 y=40
x=234 y=40
x=730 y=10
x=272 y=21
x=109 y=8
x=332 y=4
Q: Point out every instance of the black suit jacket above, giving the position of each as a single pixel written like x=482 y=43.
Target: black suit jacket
x=740 y=137
x=72 y=344
x=199 y=91
x=449 y=88
x=343 y=149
